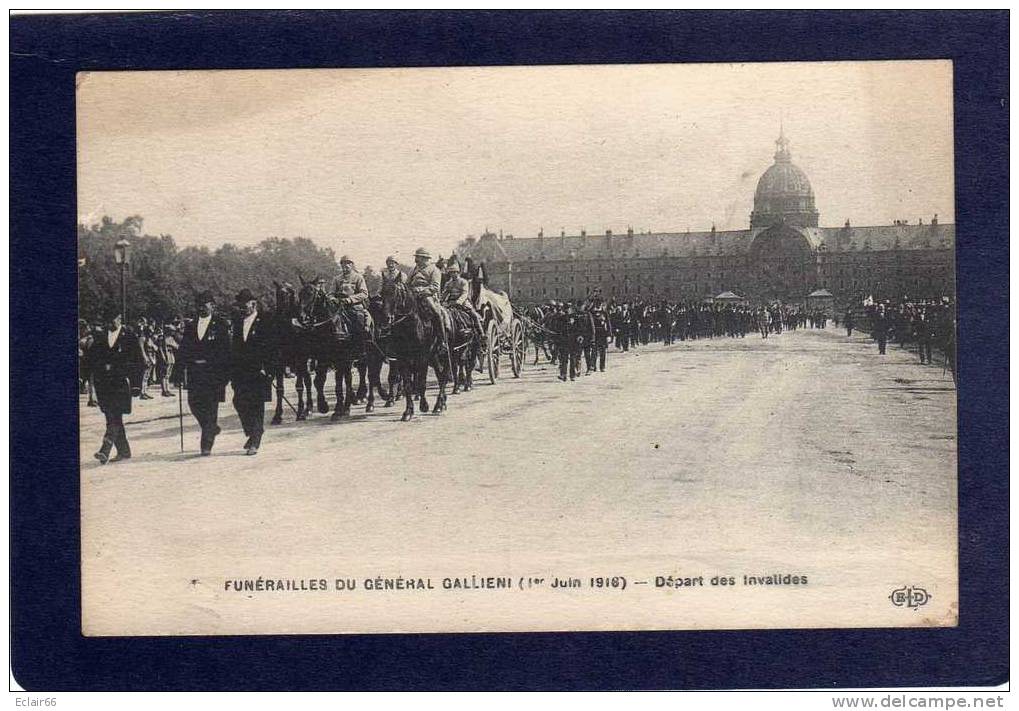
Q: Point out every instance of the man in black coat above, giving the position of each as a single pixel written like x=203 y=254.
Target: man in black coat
x=249 y=367
x=880 y=326
x=203 y=367
x=115 y=353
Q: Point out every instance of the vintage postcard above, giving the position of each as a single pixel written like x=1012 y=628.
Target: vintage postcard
x=549 y=348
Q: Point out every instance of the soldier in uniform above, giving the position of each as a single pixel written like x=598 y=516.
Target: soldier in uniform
x=113 y=356
x=425 y=282
x=249 y=367
x=392 y=273
x=352 y=291
x=456 y=292
x=203 y=366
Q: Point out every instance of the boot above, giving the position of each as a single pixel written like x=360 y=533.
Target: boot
x=103 y=455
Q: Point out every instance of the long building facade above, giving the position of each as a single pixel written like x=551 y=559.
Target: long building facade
x=783 y=256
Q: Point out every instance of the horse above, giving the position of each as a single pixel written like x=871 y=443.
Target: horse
x=291 y=350
x=537 y=331
x=415 y=340
x=332 y=341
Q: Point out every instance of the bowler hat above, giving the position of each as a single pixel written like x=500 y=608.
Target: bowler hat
x=244 y=296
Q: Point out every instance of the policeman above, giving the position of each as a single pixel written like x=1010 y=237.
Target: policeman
x=112 y=357
x=352 y=291
x=249 y=365
x=456 y=292
x=203 y=367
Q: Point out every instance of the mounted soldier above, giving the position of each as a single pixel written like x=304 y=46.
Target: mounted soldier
x=350 y=289
x=425 y=282
x=392 y=273
x=456 y=293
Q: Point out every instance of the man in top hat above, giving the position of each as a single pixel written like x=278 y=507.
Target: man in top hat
x=203 y=367
x=426 y=282
x=352 y=291
x=249 y=365
x=457 y=293
x=392 y=273
x=113 y=356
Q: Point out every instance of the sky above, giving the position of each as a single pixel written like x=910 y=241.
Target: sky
x=373 y=162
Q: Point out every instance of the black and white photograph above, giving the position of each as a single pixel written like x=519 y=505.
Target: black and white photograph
x=517 y=349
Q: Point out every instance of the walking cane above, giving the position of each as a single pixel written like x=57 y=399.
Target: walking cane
x=279 y=391
x=180 y=416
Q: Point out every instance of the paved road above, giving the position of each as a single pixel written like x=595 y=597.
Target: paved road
x=803 y=453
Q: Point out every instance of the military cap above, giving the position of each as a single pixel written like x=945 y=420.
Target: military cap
x=392 y=259
x=453 y=267
x=346 y=259
x=422 y=252
x=318 y=280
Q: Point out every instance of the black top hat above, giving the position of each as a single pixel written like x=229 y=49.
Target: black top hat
x=244 y=296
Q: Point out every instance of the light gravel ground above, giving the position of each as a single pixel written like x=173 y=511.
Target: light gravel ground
x=803 y=453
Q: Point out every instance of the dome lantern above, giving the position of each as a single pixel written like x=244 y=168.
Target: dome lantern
x=784 y=194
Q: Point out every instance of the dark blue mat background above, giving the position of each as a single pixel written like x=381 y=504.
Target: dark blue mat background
x=48 y=651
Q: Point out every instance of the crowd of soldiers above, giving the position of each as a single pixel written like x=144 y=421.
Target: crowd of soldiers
x=927 y=324
x=583 y=329
x=118 y=362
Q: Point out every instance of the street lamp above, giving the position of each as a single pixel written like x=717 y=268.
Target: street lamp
x=122 y=256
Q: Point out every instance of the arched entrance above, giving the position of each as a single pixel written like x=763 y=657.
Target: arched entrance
x=782 y=264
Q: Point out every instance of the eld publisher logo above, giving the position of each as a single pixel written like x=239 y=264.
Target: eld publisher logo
x=913 y=597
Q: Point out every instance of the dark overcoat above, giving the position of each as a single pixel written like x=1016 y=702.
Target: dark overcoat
x=250 y=360
x=111 y=368
x=203 y=365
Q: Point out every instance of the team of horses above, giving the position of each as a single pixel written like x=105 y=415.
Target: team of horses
x=316 y=332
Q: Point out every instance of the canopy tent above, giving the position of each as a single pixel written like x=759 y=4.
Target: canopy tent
x=727 y=297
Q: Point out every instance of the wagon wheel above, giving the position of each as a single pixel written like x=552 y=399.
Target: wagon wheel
x=518 y=348
x=492 y=353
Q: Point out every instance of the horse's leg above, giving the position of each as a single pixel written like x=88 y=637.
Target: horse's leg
x=421 y=382
x=342 y=375
x=348 y=381
x=362 y=385
x=393 y=376
x=321 y=374
x=407 y=367
x=442 y=374
x=374 y=382
x=278 y=378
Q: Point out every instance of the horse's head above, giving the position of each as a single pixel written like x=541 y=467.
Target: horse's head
x=397 y=301
x=310 y=302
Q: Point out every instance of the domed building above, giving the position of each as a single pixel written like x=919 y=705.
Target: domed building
x=784 y=255
x=783 y=194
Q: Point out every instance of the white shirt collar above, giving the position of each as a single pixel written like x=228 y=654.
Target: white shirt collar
x=248 y=320
x=112 y=336
x=203 y=325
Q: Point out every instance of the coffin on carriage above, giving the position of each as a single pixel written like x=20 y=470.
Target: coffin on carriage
x=504 y=333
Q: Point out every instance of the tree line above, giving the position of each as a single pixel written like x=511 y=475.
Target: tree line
x=163 y=280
